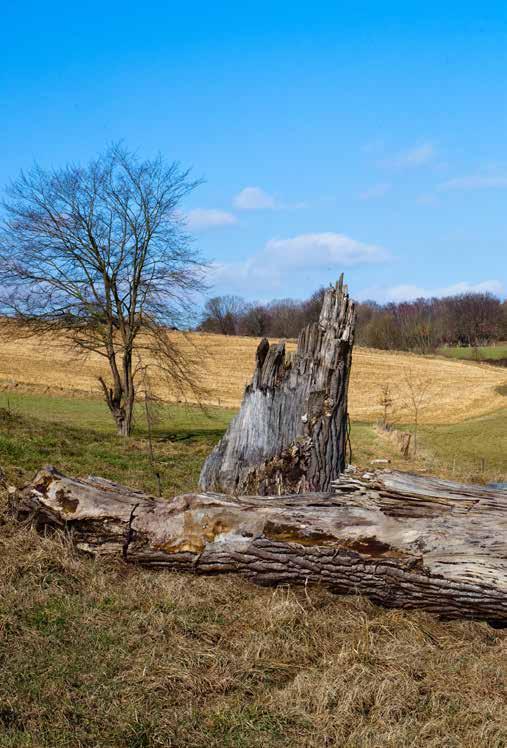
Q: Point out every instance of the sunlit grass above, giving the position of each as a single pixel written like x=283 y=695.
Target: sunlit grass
x=472 y=354
x=106 y=654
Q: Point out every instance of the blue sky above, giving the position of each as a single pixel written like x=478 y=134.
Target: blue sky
x=364 y=137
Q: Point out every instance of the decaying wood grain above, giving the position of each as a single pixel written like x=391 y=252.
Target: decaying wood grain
x=404 y=541
x=290 y=435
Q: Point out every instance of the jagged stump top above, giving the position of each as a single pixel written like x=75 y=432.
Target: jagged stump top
x=290 y=434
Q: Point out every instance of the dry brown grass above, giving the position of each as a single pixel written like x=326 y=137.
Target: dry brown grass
x=459 y=390
x=112 y=656
x=120 y=657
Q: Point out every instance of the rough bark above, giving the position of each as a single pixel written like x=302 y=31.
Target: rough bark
x=402 y=540
x=291 y=433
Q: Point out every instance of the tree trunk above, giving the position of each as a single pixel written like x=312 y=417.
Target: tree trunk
x=402 y=540
x=291 y=433
x=120 y=413
x=125 y=427
x=121 y=400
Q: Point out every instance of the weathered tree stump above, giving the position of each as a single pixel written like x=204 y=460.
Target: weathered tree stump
x=402 y=540
x=290 y=435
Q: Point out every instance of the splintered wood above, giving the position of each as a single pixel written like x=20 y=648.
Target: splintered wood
x=290 y=435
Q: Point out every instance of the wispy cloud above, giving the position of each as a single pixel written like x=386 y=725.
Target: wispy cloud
x=321 y=255
x=409 y=292
x=202 y=219
x=254 y=198
x=322 y=249
x=375 y=192
x=475 y=182
x=417 y=155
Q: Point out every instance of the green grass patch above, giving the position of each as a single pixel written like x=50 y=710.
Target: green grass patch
x=78 y=437
x=475 y=449
x=492 y=352
x=93 y=414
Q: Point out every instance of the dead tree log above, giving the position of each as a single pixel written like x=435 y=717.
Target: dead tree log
x=290 y=435
x=402 y=540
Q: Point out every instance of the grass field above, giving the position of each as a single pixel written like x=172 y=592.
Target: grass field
x=105 y=655
x=77 y=435
x=457 y=390
x=488 y=352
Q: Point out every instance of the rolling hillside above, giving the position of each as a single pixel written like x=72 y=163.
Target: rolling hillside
x=457 y=390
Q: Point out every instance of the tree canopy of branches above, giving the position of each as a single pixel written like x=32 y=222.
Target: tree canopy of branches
x=221 y=314
x=469 y=319
x=282 y=318
x=101 y=253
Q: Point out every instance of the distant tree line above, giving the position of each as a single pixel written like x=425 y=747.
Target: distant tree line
x=282 y=318
x=469 y=319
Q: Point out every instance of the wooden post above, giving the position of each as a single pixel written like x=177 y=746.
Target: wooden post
x=290 y=435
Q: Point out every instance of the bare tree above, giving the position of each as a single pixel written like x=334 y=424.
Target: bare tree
x=476 y=317
x=386 y=402
x=101 y=253
x=255 y=321
x=287 y=318
x=151 y=405
x=418 y=396
x=222 y=314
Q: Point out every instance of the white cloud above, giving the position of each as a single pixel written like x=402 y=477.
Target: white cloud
x=376 y=191
x=322 y=249
x=418 y=155
x=409 y=292
x=202 y=219
x=321 y=256
x=476 y=182
x=253 y=198
x=488 y=286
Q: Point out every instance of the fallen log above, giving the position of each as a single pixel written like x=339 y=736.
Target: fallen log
x=402 y=540
x=290 y=435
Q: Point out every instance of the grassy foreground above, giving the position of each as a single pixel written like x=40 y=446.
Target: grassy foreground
x=99 y=655
x=77 y=436
x=106 y=655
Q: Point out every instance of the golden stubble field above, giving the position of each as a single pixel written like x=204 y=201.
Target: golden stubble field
x=456 y=390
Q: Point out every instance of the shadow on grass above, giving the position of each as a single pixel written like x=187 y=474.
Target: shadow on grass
x=191 y=436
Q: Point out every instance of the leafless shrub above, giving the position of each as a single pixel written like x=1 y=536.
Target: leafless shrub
x=386 y=402
x=418 y=393
x=151 y=406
